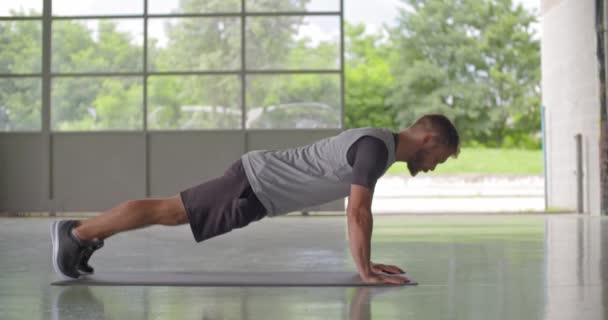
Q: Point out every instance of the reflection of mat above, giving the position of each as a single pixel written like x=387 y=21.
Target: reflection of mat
x=222 y=279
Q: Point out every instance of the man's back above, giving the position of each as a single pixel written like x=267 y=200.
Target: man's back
x=291 y=179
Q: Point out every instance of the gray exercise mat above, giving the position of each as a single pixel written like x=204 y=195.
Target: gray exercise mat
x=223 y=279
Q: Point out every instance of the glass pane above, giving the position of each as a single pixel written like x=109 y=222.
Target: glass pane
x=21 y=46
x=97 y=45
x=194 y=44
x=21 y=8
x=194 y=102
x=293 y=5
x=20 y=104
x=293 y=101
x=293 y=42
x=96 y=7
x=97 y=103
x=193 y=6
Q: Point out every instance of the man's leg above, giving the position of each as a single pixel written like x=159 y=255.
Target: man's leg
x=75 y=241
x=133 y=214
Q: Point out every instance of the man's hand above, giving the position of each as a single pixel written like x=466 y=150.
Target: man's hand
x=386 y=268
x=360 y=222
x=373 y=277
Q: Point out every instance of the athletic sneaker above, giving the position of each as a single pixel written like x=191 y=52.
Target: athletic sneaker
x=67 y=250
x=83 y=265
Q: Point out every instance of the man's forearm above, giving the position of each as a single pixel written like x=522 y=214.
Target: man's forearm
x=360 y=225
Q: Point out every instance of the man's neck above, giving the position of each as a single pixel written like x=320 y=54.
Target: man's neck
x=404 y=148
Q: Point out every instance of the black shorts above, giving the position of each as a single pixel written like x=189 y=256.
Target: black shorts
x=222 y=204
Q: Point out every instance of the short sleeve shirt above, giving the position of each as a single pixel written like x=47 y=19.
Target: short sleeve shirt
x=368 y=157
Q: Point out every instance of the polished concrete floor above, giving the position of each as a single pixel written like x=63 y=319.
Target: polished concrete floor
x=468 y=267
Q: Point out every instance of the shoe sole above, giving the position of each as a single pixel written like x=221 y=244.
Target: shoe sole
x=84 y=273
x=54 y=233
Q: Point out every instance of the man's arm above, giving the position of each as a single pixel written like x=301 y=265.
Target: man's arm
x=360 y=223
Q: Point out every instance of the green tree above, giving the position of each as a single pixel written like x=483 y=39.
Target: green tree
x=298 y=100
x=215 y=44
x=368 y=79
x=95 y=103
x=476 y=61
x=194 y=44
x=20 y=52
x=20 y=104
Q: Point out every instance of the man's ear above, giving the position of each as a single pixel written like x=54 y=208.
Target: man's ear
x=428 y=138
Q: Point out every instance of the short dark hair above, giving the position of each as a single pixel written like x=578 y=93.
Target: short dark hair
x=439 y=123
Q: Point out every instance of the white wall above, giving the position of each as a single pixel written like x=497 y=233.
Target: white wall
x=570 y=92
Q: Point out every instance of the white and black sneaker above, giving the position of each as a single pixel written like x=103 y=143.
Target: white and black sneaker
x=83 y=265
x=67 y=250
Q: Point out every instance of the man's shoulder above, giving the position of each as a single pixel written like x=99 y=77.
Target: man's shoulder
x=367 y=130
x=372 y=144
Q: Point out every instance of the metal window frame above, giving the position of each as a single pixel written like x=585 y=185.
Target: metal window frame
x=46 y=76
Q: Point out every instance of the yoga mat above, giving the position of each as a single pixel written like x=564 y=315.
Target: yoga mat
x=223 y=279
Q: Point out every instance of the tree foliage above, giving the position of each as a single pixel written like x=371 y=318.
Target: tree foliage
x=368 y=80
x=476 y=61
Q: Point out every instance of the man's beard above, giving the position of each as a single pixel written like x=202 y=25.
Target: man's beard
x=414 y=165
x=413 y=170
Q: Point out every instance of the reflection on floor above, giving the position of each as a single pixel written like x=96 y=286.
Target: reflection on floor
x=468 y=267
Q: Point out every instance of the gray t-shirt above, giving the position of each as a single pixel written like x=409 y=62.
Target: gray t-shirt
x=368 y=157
x=288 y=180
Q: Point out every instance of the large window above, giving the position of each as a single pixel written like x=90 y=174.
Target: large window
x=171 y=64
x=20 y=65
